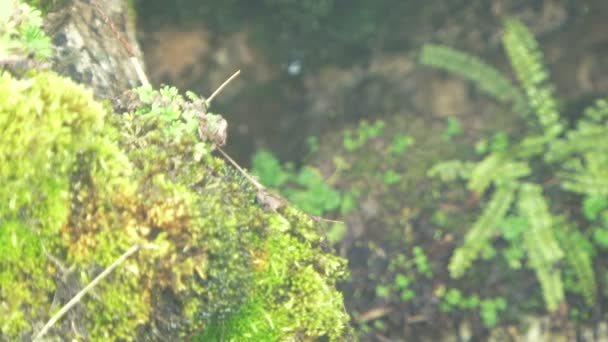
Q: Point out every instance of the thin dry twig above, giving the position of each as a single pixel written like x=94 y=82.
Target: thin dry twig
x=260 y=188
x=255 y=183
x=221 y=87
x=87 y=288
x=139 y=70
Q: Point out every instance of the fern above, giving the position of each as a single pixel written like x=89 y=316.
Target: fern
x=588 y=178
x=527 y=61
x=486 y=77
x=451 y=170
x=579 y=155
x=589 y=136
x=483 y=173
x=543 y=249
x=482 y=230
x=498 y=169
x=598 y=111
x=580 y=258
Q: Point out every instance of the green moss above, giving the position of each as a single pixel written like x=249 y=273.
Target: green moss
x=294 y=293
x=46 y=122
x=83 y=185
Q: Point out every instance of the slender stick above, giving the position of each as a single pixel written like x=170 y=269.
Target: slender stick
x=136 y=64
x=220 y=88
x=255 y=183
x=139 y=71
x=259 y=186
x=87 y=288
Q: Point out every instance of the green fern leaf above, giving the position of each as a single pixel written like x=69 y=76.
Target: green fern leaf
x=550 y=280
x=478 y=236
x=580 y=258
x=450 y=170
x=485 y=76
x=598 y=111
x=496 y=168
x=527 y=61
x=587 y=137
x=483 y=173
x=588 y=178
x=586 y=183
x=543 y=249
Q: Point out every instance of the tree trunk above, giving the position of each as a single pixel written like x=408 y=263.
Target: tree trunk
x=86 y=48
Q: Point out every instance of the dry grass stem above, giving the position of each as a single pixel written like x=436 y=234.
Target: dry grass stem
x=87 y=288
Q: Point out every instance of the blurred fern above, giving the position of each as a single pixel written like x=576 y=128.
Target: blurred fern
x=484 y=76
x=580 y=258
x=577 y=154
x=478 y=237
x=543 y=249
x=527 y=61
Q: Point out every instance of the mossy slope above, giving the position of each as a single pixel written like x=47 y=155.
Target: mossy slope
x=80 y=185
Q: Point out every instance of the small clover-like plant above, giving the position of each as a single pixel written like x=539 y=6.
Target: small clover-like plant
x=22 y=41
x=306 y=188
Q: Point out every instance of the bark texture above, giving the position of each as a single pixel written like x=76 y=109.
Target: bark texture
x=88 y=51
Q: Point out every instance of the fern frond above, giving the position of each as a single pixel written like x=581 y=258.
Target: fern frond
x=586 y=183
x=540 y=243
x=597 y=111
x=550 y=280
x=587 y=137
x=485 y=76
x=478 y=236
x=590 y=178
x=498 y=169
x=580 y=259
x=511 y=171
x=527 y=61
x=483 y=173
x=451 y=170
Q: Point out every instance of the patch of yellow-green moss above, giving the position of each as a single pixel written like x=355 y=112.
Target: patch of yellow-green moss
x=293 y=292
x=83 y=185
x=46 y=122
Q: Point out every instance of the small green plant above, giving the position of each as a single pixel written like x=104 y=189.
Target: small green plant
x=21 y=34
x=421 y=261
x=452 y=300
x=489 y=310
x=453 y=129
x=313 y=144
x=404 y=272
x=177 y=115
x=510 y=182
x=496 y=143
x=383 y=291
x=305 y=188
x=401 y=143
x=391 y=177
x=354 y=139
x=402 y=284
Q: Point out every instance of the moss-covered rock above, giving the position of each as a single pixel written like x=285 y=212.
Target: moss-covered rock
x=81 y=185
